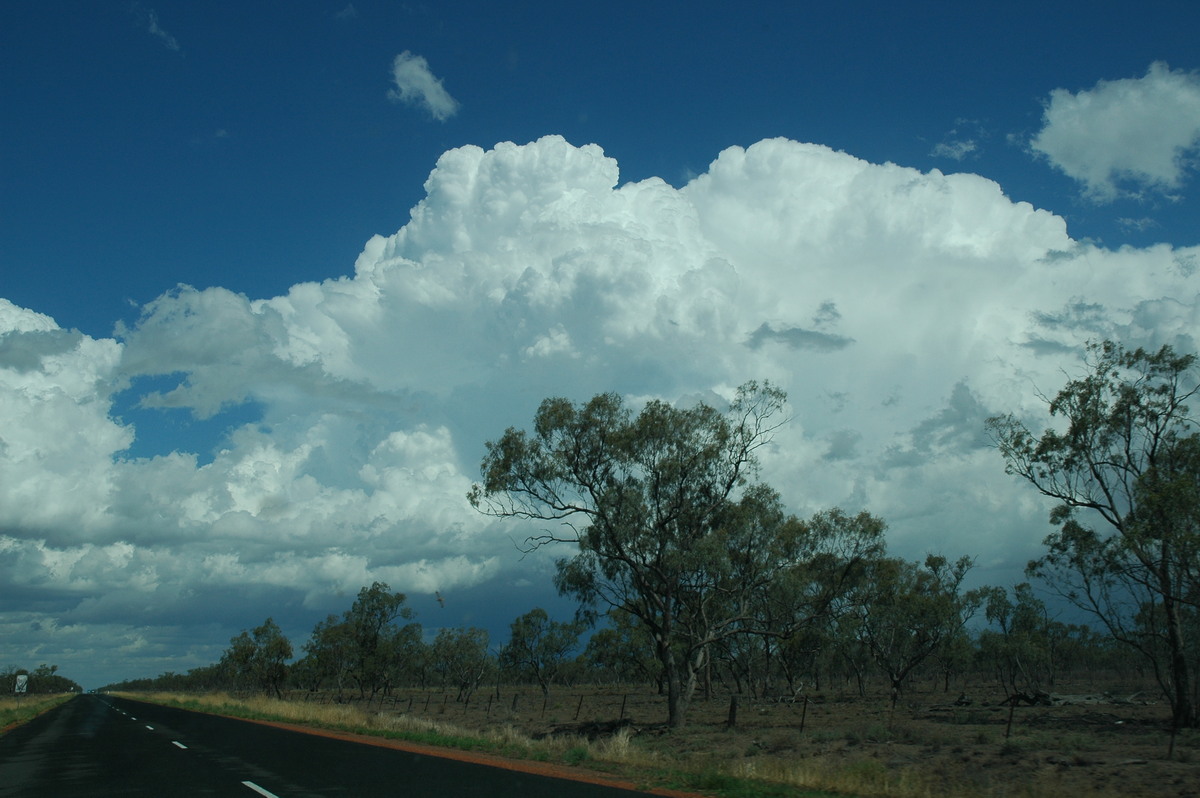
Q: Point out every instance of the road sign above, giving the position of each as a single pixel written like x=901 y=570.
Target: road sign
x=22 y=683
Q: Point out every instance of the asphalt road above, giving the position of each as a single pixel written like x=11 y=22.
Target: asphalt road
x=97 y=745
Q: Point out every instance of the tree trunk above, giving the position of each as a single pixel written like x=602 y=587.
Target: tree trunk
x=677 y=695
x=1183 y=710
x=676 y=700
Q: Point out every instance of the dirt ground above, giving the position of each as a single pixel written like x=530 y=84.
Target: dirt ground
x=933 y=743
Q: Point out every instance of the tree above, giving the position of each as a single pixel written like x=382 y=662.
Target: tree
x=643 y=498
x=823 y=583
x=259 y=657
x=44 y=679
x=540 y=647
x=365 y=645
x=461 y=657
x=326 y=654
x=372 y=632
x=1127 y=454
x=911 y=611
x=1019 y=649
x=667 y=526
x=624 y=650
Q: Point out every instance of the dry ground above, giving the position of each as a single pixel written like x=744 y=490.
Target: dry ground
x=929 y=745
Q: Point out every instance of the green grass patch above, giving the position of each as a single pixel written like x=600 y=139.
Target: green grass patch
x=577 y=755
x=17 y=711
x=725 y=785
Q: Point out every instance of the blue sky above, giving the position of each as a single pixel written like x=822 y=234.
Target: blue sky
x=952 y=197
x=253 y=146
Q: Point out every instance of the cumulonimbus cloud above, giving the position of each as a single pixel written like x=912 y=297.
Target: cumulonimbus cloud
x=898 y=309
x=415 y=84
x=1125 y=136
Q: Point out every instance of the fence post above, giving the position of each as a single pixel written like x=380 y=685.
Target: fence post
x=579 y=707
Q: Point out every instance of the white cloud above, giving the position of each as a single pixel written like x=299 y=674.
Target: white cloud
x=962 y=141
x=1125 y=137
x=955 y=150
x=417 y=85
x=148 y=18
x=897 y=308
x=57 y=439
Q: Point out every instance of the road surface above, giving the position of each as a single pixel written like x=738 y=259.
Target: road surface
x=96 y=745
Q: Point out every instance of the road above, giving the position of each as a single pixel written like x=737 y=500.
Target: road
x=97 y=745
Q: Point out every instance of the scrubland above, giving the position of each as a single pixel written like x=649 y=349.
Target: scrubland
x=932 y=743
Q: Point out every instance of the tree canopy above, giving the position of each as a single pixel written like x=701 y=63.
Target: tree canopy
x=668 y=525
x=1126 y=454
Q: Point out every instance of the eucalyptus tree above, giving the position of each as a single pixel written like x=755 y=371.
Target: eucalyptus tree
x=1019 y=648
x=327 y=656
x=911 y=610
x=658 y=507
x=668 y=525
x=259 y=657
x=833 y=556
x=461 y=657
x=1124 y=457
x=539 y=647
x=623 y=650
x=366 y=644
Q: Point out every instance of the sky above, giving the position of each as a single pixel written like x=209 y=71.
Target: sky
x=272 y=274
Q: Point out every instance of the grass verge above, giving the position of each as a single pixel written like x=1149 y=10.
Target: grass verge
x=616 y=756
x=16 y=711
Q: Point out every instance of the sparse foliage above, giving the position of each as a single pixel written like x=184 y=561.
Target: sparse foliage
x=1127 y=454
x=259 y=657
x=366 y=645
x=911 y=610
x=540 y=647
x=461 y=657
x=44 y=679
x=658 y=506
x=670 y=529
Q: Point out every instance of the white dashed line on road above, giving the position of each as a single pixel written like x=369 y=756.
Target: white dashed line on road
x=151 y=728
x=177 y=743
x=260 y=790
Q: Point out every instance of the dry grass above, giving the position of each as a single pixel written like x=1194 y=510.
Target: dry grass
x=845 y=745
x=504 y=739
x=15 y=711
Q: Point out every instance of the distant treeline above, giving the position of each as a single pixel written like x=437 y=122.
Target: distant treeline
x=42 y=679
x=695 y=578
x=890 y=633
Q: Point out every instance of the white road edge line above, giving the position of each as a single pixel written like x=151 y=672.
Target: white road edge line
x=181 y=745
x=260 y=790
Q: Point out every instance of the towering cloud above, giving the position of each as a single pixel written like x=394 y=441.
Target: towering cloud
x=898 y=308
